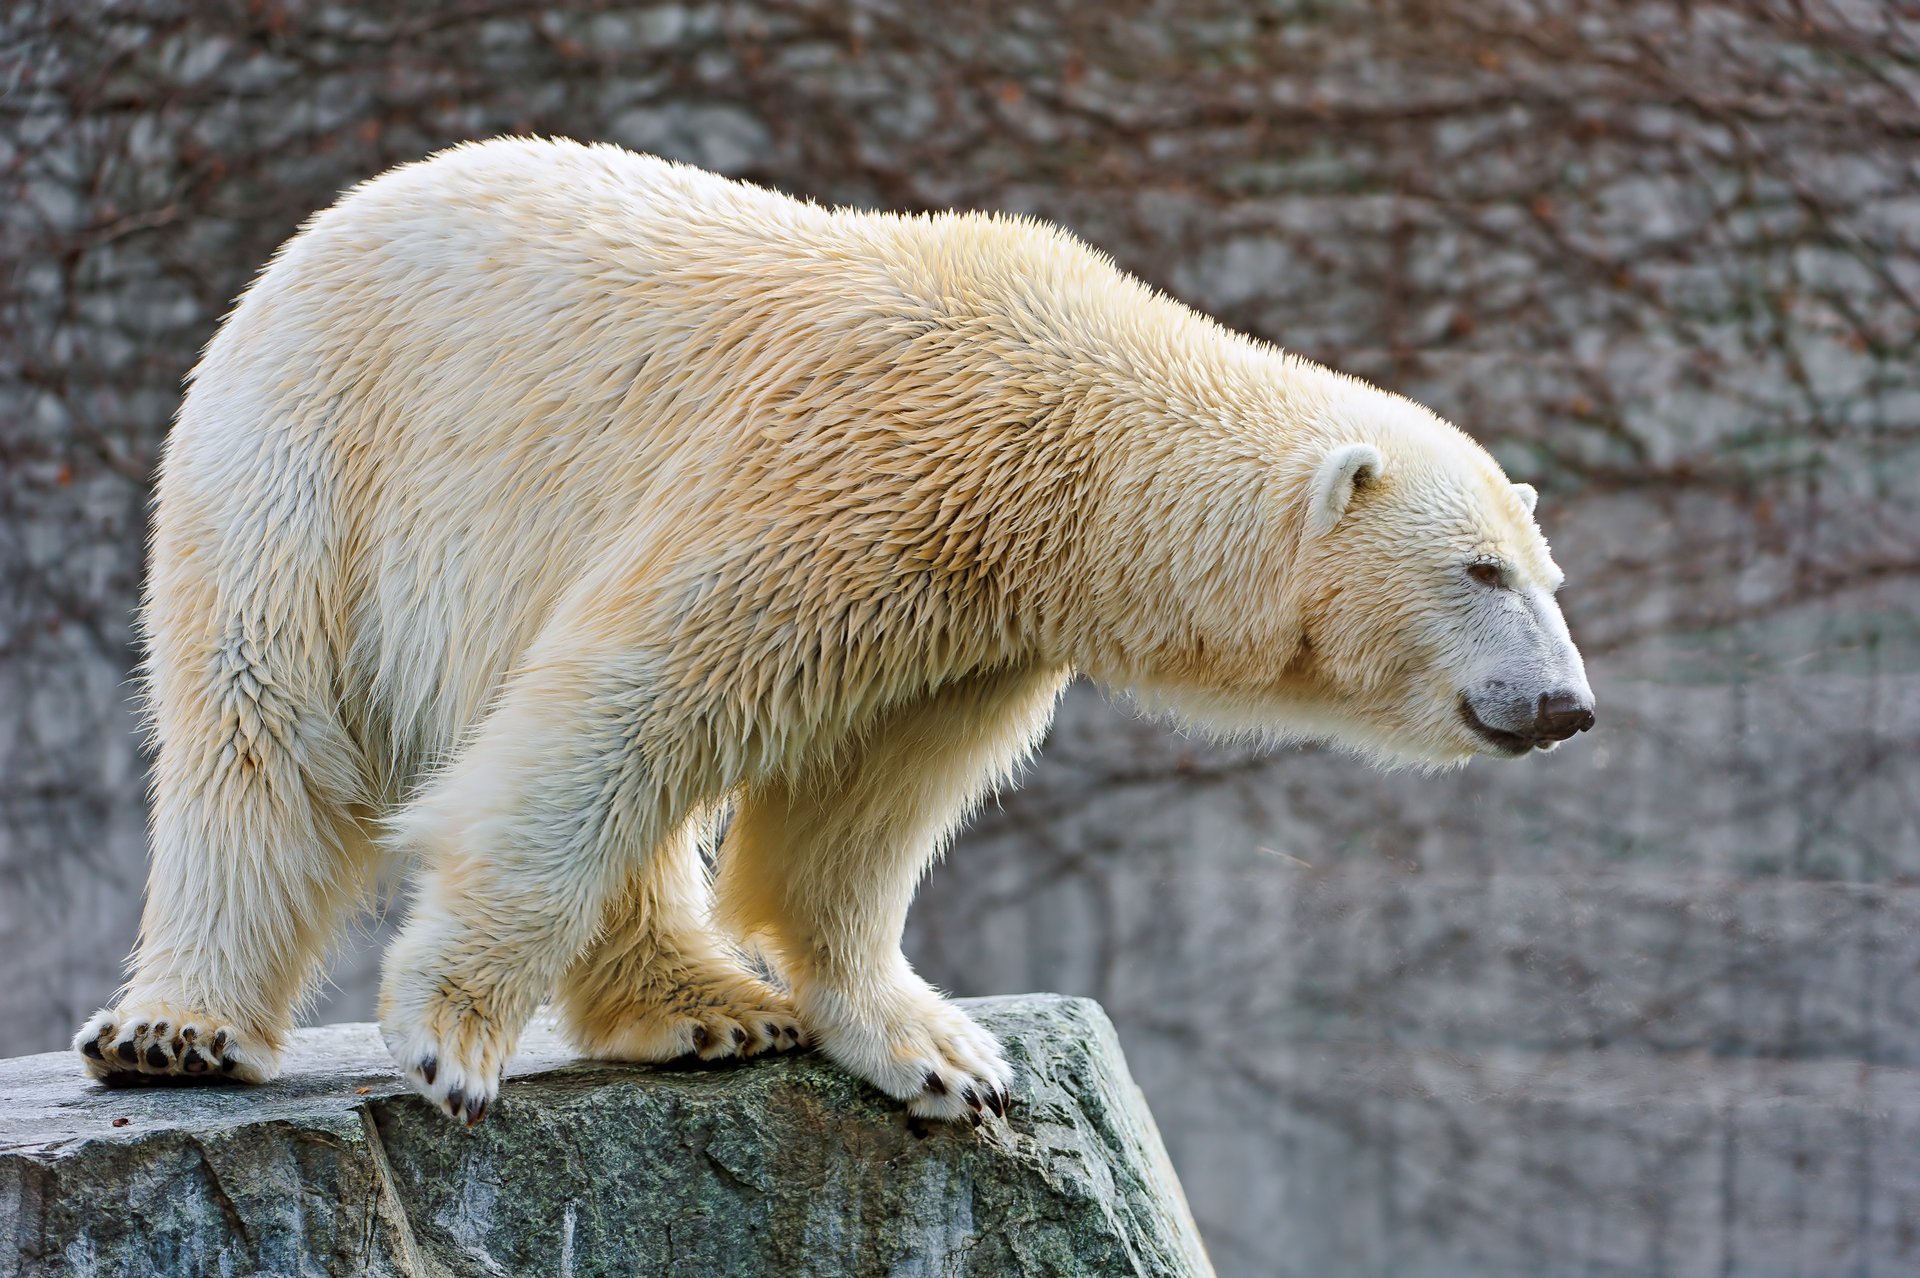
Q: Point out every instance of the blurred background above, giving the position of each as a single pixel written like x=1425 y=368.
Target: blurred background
x=1645 y=1005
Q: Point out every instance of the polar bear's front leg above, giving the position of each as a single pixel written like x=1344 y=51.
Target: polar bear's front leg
x=821 y=865
x=526 y=840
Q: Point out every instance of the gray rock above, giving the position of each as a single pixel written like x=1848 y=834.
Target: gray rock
x=779 y=1167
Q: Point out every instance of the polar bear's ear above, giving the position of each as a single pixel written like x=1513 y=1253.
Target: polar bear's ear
x=1528 y=495
x=1346 y=468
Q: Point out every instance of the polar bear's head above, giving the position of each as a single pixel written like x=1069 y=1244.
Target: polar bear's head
x=1428 y=627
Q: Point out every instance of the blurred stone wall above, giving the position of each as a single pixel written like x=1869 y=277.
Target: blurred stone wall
x=1647 y=1004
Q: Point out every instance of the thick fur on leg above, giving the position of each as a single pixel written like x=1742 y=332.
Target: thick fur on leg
x=821 y=867
x=258 y=850
x=658 y=984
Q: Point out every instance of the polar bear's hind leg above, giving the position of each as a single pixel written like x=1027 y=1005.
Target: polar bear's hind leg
x=257 y=851
x=823 y=864
x=658 y=984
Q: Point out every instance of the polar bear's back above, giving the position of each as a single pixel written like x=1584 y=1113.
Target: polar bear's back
x=502 y=287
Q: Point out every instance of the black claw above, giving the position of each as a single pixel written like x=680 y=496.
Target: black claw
x=91 y=1050
x=192 y=1062
x=160 y=1029
x=973 y=1118
x=773 y=1033
x=1000 y=1102
x=189 y=1033
x=128 y=1053
x=156 y=1057
x=476 y=1110
x=935 y=1084
x=219 y=1042
x=739 y=1037
x=972 y=1098
x=456 y=1101
x=227 y=1063
x=701 y=1038
x=428 y=1068
x=140 y=1029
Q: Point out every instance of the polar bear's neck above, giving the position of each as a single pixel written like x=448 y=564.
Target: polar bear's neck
x=1119 y=470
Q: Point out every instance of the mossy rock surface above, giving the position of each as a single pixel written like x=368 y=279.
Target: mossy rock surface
x=777 y=1167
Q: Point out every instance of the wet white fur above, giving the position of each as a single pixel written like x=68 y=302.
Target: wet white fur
x=541 y=503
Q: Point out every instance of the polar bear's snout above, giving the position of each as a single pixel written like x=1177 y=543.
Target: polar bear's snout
x=1517 y=724
x=1528 y=690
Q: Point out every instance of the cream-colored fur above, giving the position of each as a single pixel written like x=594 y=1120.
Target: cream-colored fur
x=541 y=503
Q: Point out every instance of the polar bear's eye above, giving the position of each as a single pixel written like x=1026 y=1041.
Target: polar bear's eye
x=1486 y=574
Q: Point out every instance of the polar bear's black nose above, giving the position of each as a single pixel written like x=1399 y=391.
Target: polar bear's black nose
x=1561 y=714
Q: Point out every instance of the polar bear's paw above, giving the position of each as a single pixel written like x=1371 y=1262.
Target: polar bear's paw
x=451 y=1053
x=712 y=1010
x=920 y=1049
x=148 y=1043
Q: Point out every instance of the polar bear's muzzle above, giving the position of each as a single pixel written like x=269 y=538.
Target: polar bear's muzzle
x=1531 y=693
x=1554 y=717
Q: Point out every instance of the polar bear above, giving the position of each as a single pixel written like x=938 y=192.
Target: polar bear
x=543 y=509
